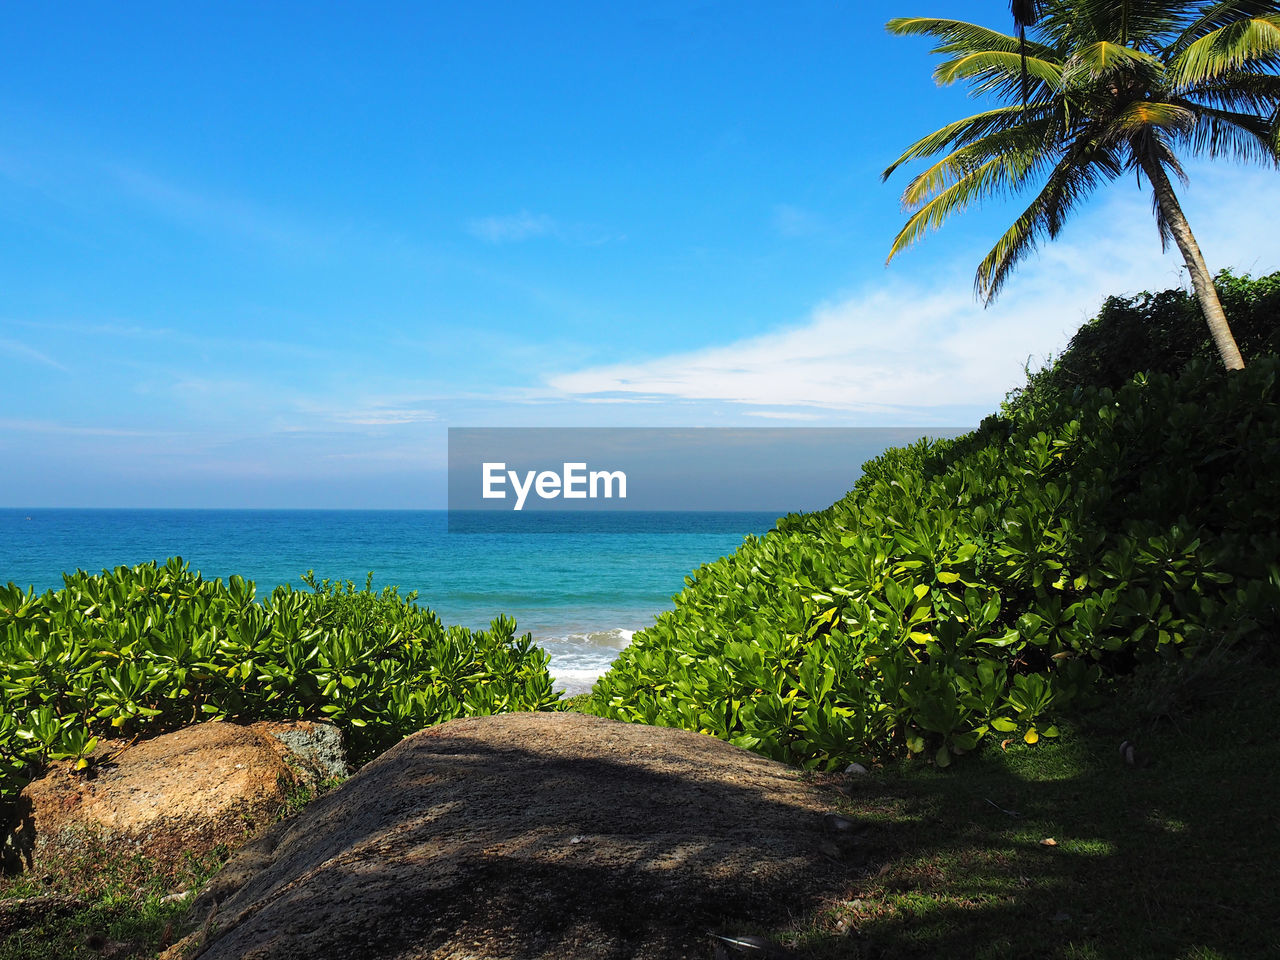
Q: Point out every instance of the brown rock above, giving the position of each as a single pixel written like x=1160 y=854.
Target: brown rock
x=183 y=792
x=530 y=835
x=314 y=750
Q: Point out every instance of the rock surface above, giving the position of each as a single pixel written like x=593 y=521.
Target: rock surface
x=532 y=835
x=183 y=792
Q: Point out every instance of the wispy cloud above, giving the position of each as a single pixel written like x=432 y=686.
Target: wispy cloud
x=386 y=416
x=529 y=226
x=103 y=334
x=514 y=228
x=362 y=410
x=792 y=221
x=208 y=210
x=70 y=429
x=902 y=349
x=23 y=351
x=782 y=415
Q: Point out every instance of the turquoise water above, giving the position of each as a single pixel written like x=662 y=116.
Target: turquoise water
x=582 y=596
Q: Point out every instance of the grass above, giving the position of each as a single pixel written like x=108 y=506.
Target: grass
x=102 y=905
x=1175 y=859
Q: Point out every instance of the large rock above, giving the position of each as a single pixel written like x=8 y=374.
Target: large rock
x=185 y=792
x=533 y=835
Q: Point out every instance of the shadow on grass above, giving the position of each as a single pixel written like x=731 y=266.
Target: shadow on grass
x=1180 y=858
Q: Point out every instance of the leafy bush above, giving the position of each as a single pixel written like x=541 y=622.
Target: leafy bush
x=1159 y=333
x=144 y=649
x=972 y=589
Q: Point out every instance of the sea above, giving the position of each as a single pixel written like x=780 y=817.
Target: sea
x=583 y=594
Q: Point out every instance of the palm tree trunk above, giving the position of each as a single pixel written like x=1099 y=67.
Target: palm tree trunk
x=1201 y=281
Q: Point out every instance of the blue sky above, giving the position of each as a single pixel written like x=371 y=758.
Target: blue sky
x=264 y=255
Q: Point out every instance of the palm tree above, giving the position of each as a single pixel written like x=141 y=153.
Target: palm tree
x=1113 y=87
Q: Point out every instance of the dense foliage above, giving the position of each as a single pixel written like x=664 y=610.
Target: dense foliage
x=1158 y=333
x=143 y=649
x=976 y=588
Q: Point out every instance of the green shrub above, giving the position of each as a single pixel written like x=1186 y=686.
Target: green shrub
x=1158 y=333
x=972 y=589
x=140 y=650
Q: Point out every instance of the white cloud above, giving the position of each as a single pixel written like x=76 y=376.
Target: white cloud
x=511 y=229
x=903 y=348
x=16 y=348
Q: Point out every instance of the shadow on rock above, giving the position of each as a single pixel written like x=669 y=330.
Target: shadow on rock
x=535 y=835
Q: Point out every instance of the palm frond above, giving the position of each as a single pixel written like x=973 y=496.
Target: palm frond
x=1147 y=25
x=1150 y=113
x=1150 y=145
x=1245 y=43
x=1162 y=223
x=1013 y=247
x=997 y=174
x=1254 y=92
x=959 y=132
x=1215 y=16
x=1091 y=164
x=958 y=36
x=1248 y=137
x=1080 y=171
x=1026 y=139
x=1104 y=58
x=1001 y=63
